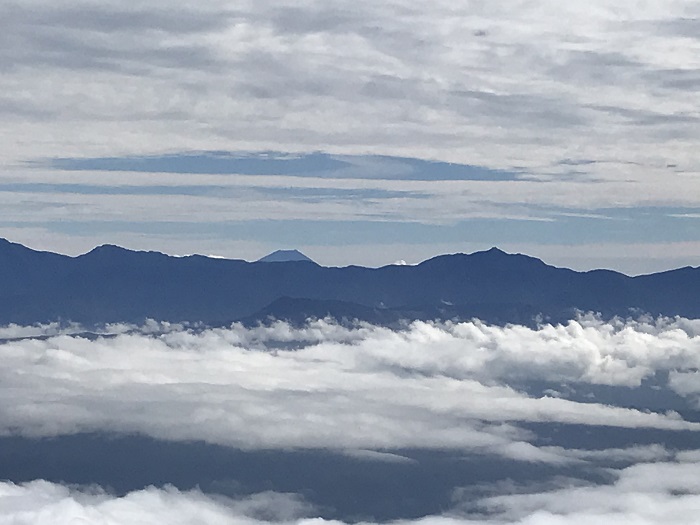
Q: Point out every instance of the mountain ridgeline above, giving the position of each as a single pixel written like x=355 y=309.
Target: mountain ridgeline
x=113 y=284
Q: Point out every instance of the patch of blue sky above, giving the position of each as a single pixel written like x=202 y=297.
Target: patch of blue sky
x=301 y=165
x=210 y=162
x=564 y=230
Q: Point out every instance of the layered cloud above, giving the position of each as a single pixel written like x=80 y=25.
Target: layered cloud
x=583 y=415
x=566 y=117
x=647 y=493
x=537 y=84
x=466 y=386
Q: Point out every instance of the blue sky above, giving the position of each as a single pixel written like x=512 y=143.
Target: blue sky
x=359 y=133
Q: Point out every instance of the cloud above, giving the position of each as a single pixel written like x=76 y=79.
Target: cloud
x=593 y=107
x=13 y=331
x=365 y=392
x=373 y=455
x=647 y=493
x=41 y=502
x=634 y=454
x=476 y=83
x=686 y=383
x=435 y=386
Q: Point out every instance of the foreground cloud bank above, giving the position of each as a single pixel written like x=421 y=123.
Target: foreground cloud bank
x=465 y=386
x=661 y=493
x=601 y=417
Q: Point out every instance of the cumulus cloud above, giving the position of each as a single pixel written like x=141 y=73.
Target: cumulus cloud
x=647 y=493
x=686 y=383
x=13 y=331
x=41 y=502
x=326 y=386
x=368 y=393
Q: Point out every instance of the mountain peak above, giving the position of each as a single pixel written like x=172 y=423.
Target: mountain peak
x=285 y=256
x=107 y=249
x=494 y=251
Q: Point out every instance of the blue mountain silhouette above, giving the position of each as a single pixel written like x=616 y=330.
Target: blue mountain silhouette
x=110 y=284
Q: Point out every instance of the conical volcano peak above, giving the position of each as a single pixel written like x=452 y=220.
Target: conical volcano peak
x=106 y=248
x=285 y=256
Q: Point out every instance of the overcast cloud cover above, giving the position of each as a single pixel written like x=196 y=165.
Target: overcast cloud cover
x=586 y=112
x=368 y=393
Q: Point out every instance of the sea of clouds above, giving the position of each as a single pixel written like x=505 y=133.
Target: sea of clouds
x=366 y=392
x=644 y=494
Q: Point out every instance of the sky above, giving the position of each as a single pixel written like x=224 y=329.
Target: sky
x=363 y=132
x=359 y=132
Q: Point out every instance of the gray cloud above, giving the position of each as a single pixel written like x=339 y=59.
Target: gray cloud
x=363 y=76
x=105 y=37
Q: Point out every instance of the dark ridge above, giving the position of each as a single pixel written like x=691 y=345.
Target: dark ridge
x=113 y=284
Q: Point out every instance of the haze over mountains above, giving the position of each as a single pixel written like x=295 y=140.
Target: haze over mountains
x=113 y=284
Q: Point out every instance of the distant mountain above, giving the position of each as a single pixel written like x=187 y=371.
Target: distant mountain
x=285 y=256
x=111 y=284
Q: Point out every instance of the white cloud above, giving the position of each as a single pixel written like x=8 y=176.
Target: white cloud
x=643 y=494
x=41 y=502
x=686 y=383
x=327 y=386
x=373 y=455
x=646 y=493
x=13 y=331
x=634 y=454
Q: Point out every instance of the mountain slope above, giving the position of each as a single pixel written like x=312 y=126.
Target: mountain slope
x=112 y=284
x=285 y=256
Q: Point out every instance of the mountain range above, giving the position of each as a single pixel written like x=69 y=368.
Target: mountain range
x=113 y=284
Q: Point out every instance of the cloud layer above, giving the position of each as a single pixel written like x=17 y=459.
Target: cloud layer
x=464 y=386
x=647 y=493
x=601 y=416
x=533 y=83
